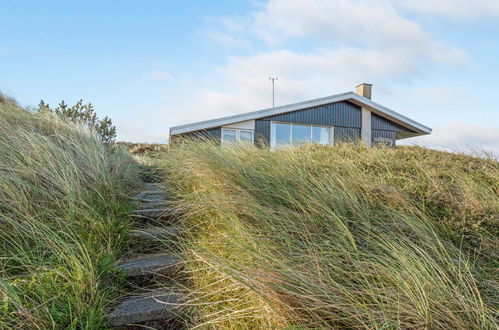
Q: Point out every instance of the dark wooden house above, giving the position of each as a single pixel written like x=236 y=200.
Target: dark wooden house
x=333 y=119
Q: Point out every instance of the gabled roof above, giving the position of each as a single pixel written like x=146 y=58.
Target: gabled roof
x=352 y=97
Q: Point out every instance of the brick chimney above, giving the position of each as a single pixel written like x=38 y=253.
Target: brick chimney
x=364 y=90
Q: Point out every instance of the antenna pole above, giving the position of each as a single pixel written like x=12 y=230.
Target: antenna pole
x=273 y=94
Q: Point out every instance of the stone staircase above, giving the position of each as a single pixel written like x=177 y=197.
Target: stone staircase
x=149 y=305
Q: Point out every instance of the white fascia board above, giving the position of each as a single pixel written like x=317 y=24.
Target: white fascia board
x=256 y=114
x=390 y=114
x=349 y=96
x=248 y=124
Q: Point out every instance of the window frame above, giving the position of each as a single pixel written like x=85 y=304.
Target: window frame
x=252 y=141
x=222 y=135
x=238 y=131
x=273 y=138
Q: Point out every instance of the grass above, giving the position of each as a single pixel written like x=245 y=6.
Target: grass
x=337 y=237
x=147 y=155
x=63 y=209
x=313 y=237
x=146 y=150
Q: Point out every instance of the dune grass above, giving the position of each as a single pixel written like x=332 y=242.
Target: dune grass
x=337 y=237
x=62 y=221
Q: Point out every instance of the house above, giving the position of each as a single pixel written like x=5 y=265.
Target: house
x=333 y=119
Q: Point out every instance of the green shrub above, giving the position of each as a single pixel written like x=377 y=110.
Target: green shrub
x=84 y=114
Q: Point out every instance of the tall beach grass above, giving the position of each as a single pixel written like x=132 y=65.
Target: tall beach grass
x=62 y=211
x=337 y=237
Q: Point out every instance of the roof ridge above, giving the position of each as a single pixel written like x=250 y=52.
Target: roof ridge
x=347 y=96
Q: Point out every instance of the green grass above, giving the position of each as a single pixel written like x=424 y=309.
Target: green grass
x=62 y=221
x=341 y=237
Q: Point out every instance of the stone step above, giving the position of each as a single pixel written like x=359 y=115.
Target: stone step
x=150 y=189
x=151 y=204
x=155 y=233
x=149 y=265
x=149 y=196
x=141 y=309
x=151 y=213
x=152 y=186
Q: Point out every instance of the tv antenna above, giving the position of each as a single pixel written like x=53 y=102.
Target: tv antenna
x=273 y=94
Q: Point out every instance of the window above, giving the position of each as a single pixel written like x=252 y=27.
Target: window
x=286 y=134
x=232 y=136
x=320 y=134
x=229 y=136
x=281 y=133
x=246 y=136
x=300 y=134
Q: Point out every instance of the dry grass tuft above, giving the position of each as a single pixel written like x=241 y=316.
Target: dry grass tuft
x=341 y=237
x=62 y=221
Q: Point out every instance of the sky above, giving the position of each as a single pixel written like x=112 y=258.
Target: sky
x=150 y=65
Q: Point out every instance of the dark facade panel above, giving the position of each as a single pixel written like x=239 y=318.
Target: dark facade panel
x=262 y=132
x=340 y=114
x=346 y=134
x=383 y=137
x=343 y=114
x=380 y=123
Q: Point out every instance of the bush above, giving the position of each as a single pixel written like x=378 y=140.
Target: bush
x=85 y=115
x=338 y=237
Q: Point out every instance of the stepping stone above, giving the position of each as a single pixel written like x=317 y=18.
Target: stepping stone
x=152 y=213
x=153 y=232
x=136 y=310
x=150 y=198
x=149 y=195
x=154 y=192
x=150 y=204
x=152 y=187
x=150 y=265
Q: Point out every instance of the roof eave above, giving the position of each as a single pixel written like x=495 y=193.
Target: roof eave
x=207 y=124
x=349 y=96
x=390 y=114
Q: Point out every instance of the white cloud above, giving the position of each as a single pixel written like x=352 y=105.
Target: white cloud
x=443 y=94
x=453 y=9
x=242 y=84
x=462 y=137
x=334 y=24
x=140 y=131
x=359 y=22
x=348 y=42
x=362 y=21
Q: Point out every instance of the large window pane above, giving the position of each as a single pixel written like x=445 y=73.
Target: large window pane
x=229 y=135
x=246 y=136
x=320 y=135
x=281 y=134
x=300 y=134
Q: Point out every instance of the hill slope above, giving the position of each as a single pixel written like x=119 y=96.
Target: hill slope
x=62 y=208
x=338 y=236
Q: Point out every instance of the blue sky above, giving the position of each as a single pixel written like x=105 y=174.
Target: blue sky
x=154 y=64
